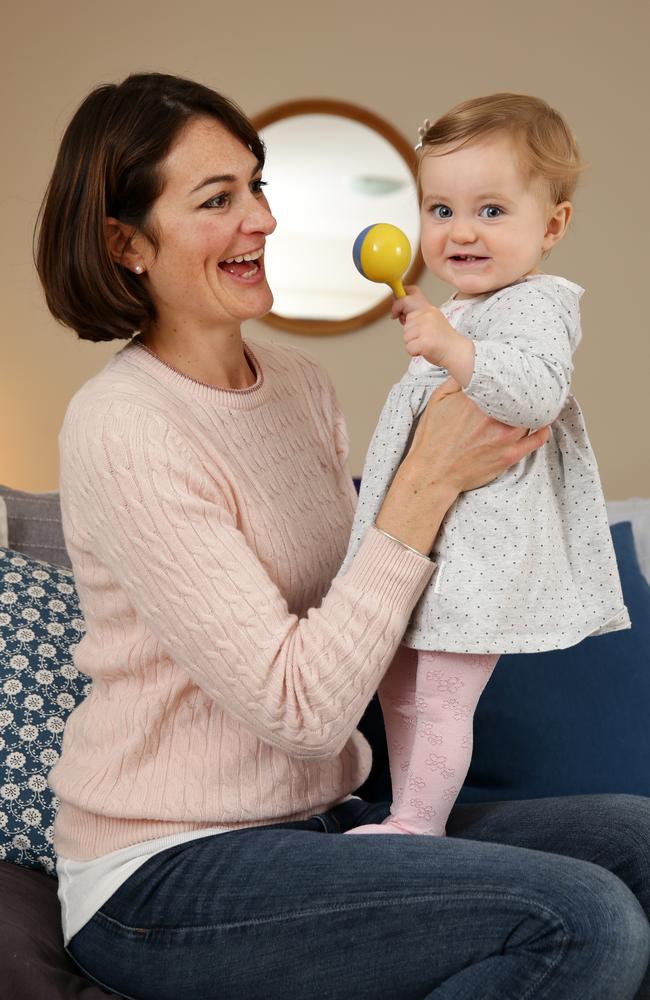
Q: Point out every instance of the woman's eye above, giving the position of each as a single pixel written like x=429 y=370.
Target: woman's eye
x=219 y=201
x=441 y=211
x=491 y=212
x=256 y=186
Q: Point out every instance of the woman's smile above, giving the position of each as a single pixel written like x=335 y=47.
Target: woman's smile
x=247 y=266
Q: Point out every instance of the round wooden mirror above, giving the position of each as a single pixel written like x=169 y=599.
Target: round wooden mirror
x=333 y=168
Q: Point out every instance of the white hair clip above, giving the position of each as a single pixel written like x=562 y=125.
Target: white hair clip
x=422 y=131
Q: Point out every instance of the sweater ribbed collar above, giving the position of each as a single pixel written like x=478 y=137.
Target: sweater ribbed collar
x=185 y=386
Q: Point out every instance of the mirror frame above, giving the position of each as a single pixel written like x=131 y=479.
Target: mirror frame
x=344 y=109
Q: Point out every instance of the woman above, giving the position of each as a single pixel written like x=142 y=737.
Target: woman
x=206 y=508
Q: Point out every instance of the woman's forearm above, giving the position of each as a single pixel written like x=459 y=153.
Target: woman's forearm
x=414 y=508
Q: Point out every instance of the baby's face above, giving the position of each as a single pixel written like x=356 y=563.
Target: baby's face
x=483 y=222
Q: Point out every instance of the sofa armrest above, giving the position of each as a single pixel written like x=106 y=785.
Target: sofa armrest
x=33 y=962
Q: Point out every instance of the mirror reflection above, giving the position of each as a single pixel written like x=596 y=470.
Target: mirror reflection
x=330 y=175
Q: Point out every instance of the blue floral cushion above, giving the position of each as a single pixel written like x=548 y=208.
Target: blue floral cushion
x=40 y=625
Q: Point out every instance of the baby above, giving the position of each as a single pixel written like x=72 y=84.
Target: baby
x=525 y=564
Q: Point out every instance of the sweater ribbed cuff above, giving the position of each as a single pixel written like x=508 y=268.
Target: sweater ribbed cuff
x=385 y=567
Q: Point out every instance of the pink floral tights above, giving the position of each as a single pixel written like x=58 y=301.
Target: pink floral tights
x=428 y=700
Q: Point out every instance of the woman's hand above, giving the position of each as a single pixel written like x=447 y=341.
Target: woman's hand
x=460 y=445
x=456 y=447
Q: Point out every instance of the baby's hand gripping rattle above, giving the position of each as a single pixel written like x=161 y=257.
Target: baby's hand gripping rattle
x=383 y=253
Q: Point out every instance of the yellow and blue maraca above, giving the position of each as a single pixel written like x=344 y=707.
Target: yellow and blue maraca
x=383 y=253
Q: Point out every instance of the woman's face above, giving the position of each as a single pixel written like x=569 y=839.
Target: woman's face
x=212 y=209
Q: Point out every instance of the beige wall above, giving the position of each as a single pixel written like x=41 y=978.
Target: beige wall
x=404 y=62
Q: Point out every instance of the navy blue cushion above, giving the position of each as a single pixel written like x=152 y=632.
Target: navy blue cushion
x=40 y=625
x=573 y=721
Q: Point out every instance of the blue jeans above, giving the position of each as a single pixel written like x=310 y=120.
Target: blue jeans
x=540 y=899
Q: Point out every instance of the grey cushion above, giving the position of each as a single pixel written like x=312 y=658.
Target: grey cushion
x=636 y=510
x=34 y=525
x=3 y=523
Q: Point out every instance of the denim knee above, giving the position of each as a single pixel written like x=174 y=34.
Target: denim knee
x=628 y=812
x=606 y=930
x=627 y=854
x=630 y=815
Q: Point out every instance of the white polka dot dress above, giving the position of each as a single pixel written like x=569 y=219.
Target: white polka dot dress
x=525 y=564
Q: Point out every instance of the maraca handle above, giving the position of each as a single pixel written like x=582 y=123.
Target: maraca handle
x=398 y=289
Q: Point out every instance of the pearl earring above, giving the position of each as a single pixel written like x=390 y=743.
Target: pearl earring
x=138 y=269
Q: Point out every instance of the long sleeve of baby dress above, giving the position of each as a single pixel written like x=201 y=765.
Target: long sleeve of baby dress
x=526 y=563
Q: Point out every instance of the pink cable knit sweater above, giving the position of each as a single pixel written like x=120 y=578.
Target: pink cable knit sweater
x=205 y=527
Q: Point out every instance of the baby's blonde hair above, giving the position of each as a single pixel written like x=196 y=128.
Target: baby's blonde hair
x=547 y=147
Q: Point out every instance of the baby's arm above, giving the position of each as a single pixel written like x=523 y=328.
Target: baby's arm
x=523 y=355
x=518 y=369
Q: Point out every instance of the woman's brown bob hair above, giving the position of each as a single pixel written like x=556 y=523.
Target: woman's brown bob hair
x=109 y=165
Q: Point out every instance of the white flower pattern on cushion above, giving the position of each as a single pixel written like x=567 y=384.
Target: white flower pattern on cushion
x=40 y=627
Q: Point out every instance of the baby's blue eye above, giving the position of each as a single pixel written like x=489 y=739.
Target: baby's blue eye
x=441 y=211
x=491 y=212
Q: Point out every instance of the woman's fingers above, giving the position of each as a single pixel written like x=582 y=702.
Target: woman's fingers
x=449 y=386
x=497 y=447
x=530 y=442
